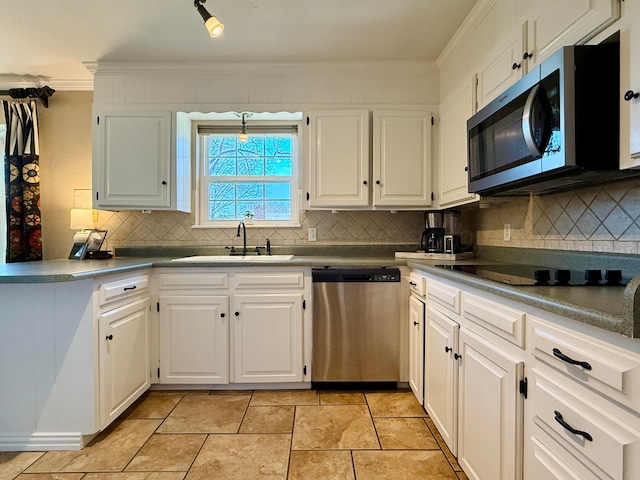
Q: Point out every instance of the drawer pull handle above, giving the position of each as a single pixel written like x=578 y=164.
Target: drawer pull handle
x=560 y=420
x=570 y=360
x=413 y=284
x=129 y=288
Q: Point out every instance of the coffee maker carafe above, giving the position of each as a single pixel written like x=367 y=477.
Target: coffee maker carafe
x=432 y=239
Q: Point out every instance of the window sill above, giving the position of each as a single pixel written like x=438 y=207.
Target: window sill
x=248 y=226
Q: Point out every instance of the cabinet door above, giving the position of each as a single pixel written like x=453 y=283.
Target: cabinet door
x=339 y=158
x=502 y=68
x=490 y=411
x=194 y=339
x=125 y=371
x=455 y=110
x=416 y=347
x=402 y=158
x=567 y=22
x=633 y=11
x=132 y=160
x=267 y=338
x=441 y=375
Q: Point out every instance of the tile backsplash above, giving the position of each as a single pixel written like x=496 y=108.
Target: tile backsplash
x=604 y=218
x=170 y=229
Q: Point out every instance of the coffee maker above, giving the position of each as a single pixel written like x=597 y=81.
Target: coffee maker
x=432 y=239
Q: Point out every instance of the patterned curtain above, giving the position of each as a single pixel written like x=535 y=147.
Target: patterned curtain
x=22 y=182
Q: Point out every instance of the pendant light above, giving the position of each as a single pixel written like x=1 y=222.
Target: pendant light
x=212 y=24
x=244 y=137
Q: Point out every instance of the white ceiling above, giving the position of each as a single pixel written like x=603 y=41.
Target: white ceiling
x=49 y=39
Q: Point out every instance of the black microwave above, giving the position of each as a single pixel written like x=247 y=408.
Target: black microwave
x=557 y=128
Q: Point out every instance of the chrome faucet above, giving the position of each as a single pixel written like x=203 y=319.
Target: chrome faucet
x=244 y=237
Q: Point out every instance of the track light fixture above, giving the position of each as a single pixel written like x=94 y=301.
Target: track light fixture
x=244 y=136
x=212 y=24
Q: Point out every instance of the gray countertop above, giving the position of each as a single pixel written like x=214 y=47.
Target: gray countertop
x=613 y=308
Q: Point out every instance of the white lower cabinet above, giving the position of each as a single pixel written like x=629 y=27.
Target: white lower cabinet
x=124 y=344
x=241 y=325
x=267 y=335
x=490 y=410
x=441 y=375
x=416 y=347
x=194 y=339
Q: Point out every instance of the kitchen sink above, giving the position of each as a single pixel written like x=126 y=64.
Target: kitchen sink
x=234 y=258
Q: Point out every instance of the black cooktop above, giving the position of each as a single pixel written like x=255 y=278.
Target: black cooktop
x=535 y=275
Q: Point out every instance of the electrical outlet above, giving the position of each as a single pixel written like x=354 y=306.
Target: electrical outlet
x=311 y=233
x=507 y=232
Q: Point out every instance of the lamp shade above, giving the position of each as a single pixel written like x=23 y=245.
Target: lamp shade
x=81 y=219
x=214 y=26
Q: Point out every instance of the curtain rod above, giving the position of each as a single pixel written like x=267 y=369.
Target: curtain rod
x=42 y=93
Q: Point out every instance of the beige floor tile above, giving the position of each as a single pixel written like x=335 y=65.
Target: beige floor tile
x=320 y=465
x=12 y=463
x=443 y=445
x=50 y=476
x=404 y=434
x=394 y=404
x=242 y=457
x=272 y=419
x=206 y=414
x=340 y=398
x=327 y=427
x=136 y=476
x=402 y=464
x=109 y=451
x=285 y=397
x=155 y=406
x=167 y=453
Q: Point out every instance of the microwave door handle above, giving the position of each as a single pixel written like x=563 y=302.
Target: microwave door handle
x=526 y=123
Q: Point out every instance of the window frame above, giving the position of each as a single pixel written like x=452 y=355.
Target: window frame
x=202 y=179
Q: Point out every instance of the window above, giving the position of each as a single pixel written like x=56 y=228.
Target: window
x=257 y=177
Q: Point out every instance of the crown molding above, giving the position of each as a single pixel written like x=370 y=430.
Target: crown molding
x=9 y=81
x=468 y=26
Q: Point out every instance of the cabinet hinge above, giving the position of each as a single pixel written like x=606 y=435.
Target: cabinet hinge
x=98 y=120
x=158 y=372
x=432 y=196
x=524 y=387
x=97 y=195
x=304 y=304
x=432 y=121
x=307 y=120
x=304 y=370
x=308 y=196
x=158 y=306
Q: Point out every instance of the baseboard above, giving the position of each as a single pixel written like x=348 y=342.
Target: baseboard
x=40 y=442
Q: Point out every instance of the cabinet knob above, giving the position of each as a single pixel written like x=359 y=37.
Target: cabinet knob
x=222 y=315
x=109 y=337
x=515 y=66
x=164 y=182
x=457 y=356
x=365 y=182
x=237 y=314
x=527 y=55
x=466 y=169
x=377 y=182
x=447 y=349
x=630 y=95
x=416 y=323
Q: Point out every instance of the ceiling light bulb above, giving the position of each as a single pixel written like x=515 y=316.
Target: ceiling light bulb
x=243 y=137
x=214 y=26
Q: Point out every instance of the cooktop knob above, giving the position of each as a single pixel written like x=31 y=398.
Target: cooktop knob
x=592 y=276
x=542 y=277
x=613 y=277
x=562 y=277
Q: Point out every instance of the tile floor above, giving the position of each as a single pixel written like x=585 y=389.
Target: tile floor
x=294 y=435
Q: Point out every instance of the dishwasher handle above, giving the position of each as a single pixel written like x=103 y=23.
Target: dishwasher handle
x=354 y=277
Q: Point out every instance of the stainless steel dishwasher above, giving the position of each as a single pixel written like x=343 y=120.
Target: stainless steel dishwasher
x=356 y=325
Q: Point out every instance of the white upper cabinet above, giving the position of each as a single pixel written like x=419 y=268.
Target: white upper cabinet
x=633 y=12
x=339 y=158
x=452 y=172
x=132 y=161
x=556 y=23
x=402 y=158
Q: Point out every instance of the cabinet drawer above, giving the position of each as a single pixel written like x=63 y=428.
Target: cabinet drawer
x=445 y=295
x=417 y=284
x=503 y=321
x=598 y=437
x=120 y=289
x=258 y=281
x=191 y=281
x=602 y=367
x=549 y=462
